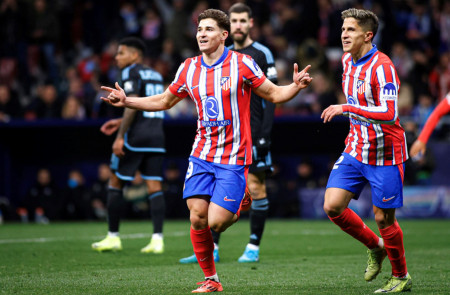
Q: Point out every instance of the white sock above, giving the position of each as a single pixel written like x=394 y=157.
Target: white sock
x=213 y=278
x=252 y=247
x=381 y=243
x=157 y=236
x=113 y=234
x=216 y=246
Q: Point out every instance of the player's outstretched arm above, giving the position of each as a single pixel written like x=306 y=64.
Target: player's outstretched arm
x=279 y=94
x=330 y=112
x=158 y=102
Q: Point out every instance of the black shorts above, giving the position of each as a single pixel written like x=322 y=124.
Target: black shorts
x=261 y=164
x=149 y=164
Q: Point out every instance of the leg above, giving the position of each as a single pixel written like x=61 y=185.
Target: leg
x=258 y=215
x=114 y=207
x=392 y=235
x=201 y=237
x=157 y=210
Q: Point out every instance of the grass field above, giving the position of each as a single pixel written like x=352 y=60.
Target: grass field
x=297 y=257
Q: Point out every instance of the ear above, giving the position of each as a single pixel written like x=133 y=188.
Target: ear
x=251 y=22
x=369 y=36
x=224 y=35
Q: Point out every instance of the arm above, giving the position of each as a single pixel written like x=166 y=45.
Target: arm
x=278 y=94
x=127 y=120
x=159 y=102
x=111 y=126
x=419 y=147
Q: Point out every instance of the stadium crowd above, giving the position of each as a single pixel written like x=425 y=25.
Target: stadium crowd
x=54 y=55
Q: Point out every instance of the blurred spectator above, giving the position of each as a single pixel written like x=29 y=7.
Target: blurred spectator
x=43 y=34
x=10 y=107
x=444 y=26
x=72 y=109
x=99 y=192
x=130 y=18
x=402 y=60
x=152 y=32
x=46 y=105
x=76 y=197
x=42 y=201
x=422 y=111
x=439 y=78
x=306 y=177
x=324 y=93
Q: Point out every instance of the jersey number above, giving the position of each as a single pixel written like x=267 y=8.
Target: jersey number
x=150 y=90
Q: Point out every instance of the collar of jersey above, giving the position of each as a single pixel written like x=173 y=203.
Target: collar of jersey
x=366 y=57
x=221 y=59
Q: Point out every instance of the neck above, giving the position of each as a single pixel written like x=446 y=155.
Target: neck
x=239 y=45
x=362 y=51
x=211 y=58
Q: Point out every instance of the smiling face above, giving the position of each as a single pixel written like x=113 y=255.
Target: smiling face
x=354 y=39
x=240 y=26
x=210 y=36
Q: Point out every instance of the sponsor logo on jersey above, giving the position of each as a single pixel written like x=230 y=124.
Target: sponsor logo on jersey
x=271 y=73
x=128 y=86
x=388 y=199
x=389 y=92
x=258 y=69
x=212 y=107
x=359 y=122
x=216 y=123
x=226 y=199
x=361 y=86
x=225 y=82
x=351 y=100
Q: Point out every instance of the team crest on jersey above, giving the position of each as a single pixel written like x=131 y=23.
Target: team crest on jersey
x=212 y=107
x=128 y=86
x=361 y=86
x=225 y=82
x=389 y=91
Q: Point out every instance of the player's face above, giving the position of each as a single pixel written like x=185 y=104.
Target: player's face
x=210 y=36
x=240 y=26
x=353 y=36
x=125 y=56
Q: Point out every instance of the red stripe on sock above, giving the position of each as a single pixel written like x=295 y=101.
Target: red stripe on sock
x=203 y=244
x=352 y=224
x=393 y=242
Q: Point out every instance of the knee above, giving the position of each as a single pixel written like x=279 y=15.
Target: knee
x=198 y=220
x=332 y=209
x=218 y=227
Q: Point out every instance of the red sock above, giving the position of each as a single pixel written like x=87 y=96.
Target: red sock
x=393 y=242
x=203 y=244
x=352 y=224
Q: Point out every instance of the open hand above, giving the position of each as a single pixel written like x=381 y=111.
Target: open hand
x=330 y=112
x=302 y=79
x=116 y=96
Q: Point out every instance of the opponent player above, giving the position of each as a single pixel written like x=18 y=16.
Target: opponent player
x=139 y=145
x=261 y=120
x=220 y=82
x=419 y=146
x=375 y=149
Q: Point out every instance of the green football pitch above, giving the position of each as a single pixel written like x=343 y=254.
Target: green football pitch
x=297 y=257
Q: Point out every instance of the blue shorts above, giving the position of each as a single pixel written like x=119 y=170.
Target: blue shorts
x=225 y=184
x=386 y=182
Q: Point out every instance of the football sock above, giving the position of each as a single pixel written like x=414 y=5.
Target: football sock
x=157 y=210
x=352 y=224
x=393 y=243
x=258 y=216
x=203 y=245
x=213 y=278
x=216 y=236
x=114 y=206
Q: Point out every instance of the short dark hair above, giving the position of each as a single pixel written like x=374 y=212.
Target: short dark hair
x=218 y=15
x=365 y=18
x=135 y=43
x=240 y=8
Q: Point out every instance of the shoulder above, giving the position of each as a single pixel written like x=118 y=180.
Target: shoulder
x=265 y=51
x=383 y=59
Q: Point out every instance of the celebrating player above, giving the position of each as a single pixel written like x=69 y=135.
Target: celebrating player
x=220 y=82
x=419 y=146
x=375 y=149
x=139 y=145
x=261 y=120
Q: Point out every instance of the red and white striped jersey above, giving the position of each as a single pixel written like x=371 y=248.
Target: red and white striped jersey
x=371 y=87
x=221 y=93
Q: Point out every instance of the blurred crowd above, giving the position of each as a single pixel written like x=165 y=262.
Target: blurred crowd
x=55 y=54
